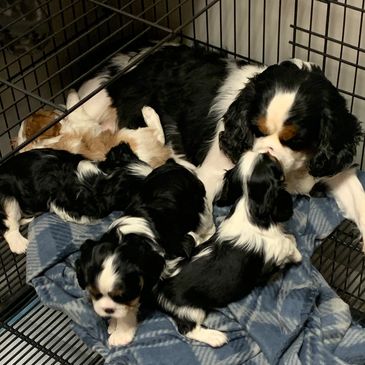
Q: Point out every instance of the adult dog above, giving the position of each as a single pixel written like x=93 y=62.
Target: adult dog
x=213 y=109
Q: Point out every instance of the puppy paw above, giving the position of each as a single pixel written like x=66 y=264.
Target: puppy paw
x=112 y=326
x=17 y=243
x=119 y=338
x=152 y=120
x=25 y=221
x=296 y=256
x=211 y=337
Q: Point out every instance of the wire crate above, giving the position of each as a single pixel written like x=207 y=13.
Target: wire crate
x=51 y=46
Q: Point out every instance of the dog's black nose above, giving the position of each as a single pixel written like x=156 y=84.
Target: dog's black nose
x=109 y=310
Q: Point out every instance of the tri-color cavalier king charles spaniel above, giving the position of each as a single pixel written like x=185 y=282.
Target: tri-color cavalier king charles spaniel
x=213 y=109
x=77 y=190
x=121 y=268
x=247 y=248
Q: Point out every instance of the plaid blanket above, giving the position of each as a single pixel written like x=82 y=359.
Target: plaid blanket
x=296 y=319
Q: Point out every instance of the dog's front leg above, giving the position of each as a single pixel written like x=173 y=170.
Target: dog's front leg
x=123 y=329
x=350 y=197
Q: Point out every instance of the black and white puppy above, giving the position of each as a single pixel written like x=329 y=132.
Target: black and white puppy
x=213 y=109
x=77 y=190
x=248 y=246
x=121 y=268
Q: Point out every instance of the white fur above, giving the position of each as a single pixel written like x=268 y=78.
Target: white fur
x=86 y=117
x=211 y=337
x=64 y=215
x=190 y=313
x=123 y=331
x=140 y=169
x=152 y=120
x=108 y=276
x=106 y=282
x=277 y=113
x=17 y=243
x=137 y=225
x=94 y=109
x=350 y=197
x=86 y=168
x=206 y=227
x=206 y=252
x=278 y=110
x=276 y=246
x=301 y=64
x=213 y=168
x=216 y=163
x=236 y=80
x=172 y=268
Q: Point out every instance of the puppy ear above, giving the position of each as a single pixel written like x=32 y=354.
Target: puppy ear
x=118 y=157
x=86 y=250
x=80 y=274
x=237 y=136
x=340 y=132
x=262 y=197
x=232 y=188
x=283 y=207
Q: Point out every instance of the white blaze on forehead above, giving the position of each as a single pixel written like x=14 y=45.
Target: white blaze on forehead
x=247 y=163
x=108 y=276
x=278 y=110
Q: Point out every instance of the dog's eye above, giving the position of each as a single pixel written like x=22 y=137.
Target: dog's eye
x=294 y=143
x=95 y=294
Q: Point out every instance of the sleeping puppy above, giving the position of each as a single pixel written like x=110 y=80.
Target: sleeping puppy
x=77 y=190
x=120 y=269
x=248 y=246
x=217 y=108
x=79 y=133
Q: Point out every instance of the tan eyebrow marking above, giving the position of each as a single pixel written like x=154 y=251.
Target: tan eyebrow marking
x=262 y=125
x=288 y=132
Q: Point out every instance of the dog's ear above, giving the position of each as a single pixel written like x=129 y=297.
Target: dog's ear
x=120 y=153
x=238 y=136
x=232 y=188
x=118 y=157
x=262 y=197
x=80 y=275
x=283 y=207
x=86 y=251
x=340 y=132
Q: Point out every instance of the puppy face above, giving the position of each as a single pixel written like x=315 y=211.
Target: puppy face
x=114 y=285
x=298 y=115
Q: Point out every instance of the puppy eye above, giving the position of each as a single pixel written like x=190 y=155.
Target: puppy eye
x=294 y=143
x=96 y=295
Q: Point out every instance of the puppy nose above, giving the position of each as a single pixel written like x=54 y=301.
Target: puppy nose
x=109 y=310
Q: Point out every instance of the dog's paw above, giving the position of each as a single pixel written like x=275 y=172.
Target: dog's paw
x=296 y=256
x=121 y=338
x=112 y=326
x=211 y=337
x=152 y=120
x=17 y=243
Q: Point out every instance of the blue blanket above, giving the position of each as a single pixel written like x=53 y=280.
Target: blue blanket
x=296 y=319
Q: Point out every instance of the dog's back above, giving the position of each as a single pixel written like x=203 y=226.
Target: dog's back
x=173 y=198
x=34 y=176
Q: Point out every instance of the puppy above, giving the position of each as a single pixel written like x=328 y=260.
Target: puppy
x=120 y=269
x=76 y=189
x=80 y=133
x=248 y=246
